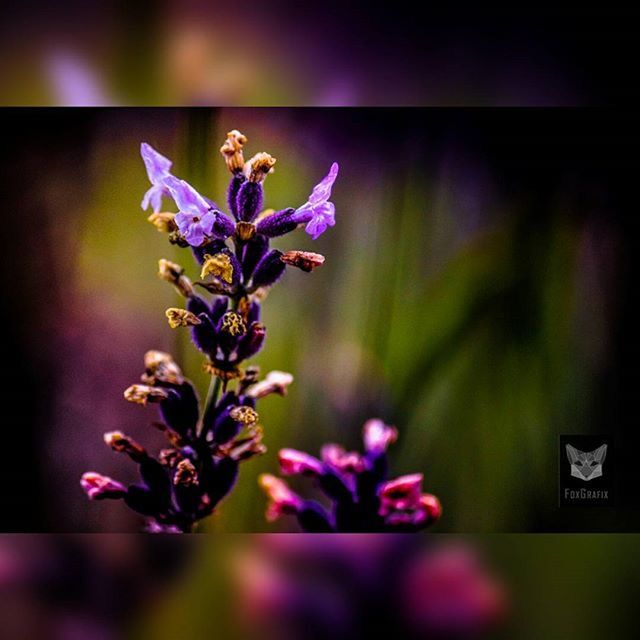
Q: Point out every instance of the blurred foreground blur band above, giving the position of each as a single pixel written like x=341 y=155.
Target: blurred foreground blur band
x=190 y=52
x=312 y=587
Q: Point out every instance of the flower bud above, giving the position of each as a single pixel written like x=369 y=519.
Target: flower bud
x=269 y=270
x=275 y=382
x=161 y=367
x=257 y=168
x=253 y=252
x=203 y=335
x=226 y=427
x=252 y=342
x=231 y=150
x=124 y=444
x=174 y=273
x=142 y=393
x=249 y=200
x=245 y=448
x=276 y=224
x=163 y=221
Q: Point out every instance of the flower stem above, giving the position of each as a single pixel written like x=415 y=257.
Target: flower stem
x=210 y=402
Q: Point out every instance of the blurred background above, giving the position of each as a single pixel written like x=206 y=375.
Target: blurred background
x=476 y=293
x=300 y=587
x=189 y=52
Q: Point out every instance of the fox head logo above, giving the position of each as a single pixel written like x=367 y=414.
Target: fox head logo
x=586 y=465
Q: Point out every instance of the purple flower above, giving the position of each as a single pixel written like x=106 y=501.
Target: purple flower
x=378 y=436
x=361 y=497
x=97 y=486
x=158 y=171
x=294 y=462
x=196 y=218
x=282 y=500
x=317 y=212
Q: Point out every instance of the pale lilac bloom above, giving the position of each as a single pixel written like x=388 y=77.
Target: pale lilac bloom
x=317 y=212
x=158 y=171
x=195 y=218
x=74 y=82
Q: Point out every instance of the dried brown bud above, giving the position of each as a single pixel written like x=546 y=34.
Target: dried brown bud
x=175 y=237
x=246 y=415
x=231 y=150
x=245 y=230
x=275 y=382
x=124 y=444
x=142 y=393
x=216 y=286
x=186 y=474
x=181 y=318
x=244 y=448
x=174 y=273
x=163 y=221
x=169 y=457
x=161 y=367
x=305 y=260
x=249 y=377
x=259 y=166
x=218 y=265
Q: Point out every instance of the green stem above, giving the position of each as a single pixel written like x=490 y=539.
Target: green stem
x=210 y=402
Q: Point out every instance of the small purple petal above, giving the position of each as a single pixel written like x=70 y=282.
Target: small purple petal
x=194 y=234
x=322 y=191
x=183 y=220
x=153 y=196
x=207 y=221
x=186 y=197
x=318 y=212
x=157 y=165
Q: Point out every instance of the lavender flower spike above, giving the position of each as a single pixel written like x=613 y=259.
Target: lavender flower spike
x=158 y=170
x=196 y=218
x=206 y=442
x=317 y=212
